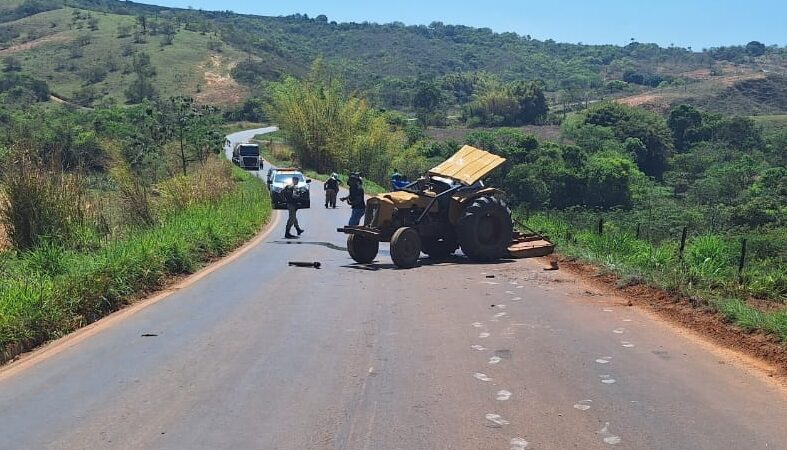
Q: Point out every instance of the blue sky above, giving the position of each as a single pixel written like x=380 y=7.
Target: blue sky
x=696 y=23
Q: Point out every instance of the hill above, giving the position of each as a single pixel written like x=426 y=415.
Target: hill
x=86 y=50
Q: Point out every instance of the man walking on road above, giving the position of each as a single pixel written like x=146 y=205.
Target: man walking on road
x=331 y=189
x=291 y=199
x=356 y=198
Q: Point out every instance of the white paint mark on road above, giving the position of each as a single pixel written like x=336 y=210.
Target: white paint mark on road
x=481 y=376
x=500 y=306
x=619 y=330
x=510 y=292
x=518 y=444
x=480 y=348
x=495 y=360
x=608 y=437
x=477 y=324
x=516 y=299
x=607 y=310
x=627 y=320
x=497 y=420
x=604 y=360
x=513 y=282
x=520 y=287
x=500 y=314
x=489 y=282
x=483 y=335
x=627 y=344
x=607 y=379
x=583 y=405
x=503 y=395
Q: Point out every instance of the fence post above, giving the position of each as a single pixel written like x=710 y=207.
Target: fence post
x=601 y=226
x=637 y=236
x=682 y=242
x=742 y=261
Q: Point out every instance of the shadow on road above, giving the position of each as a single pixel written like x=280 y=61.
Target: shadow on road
x=329 y=245
x=454 y=260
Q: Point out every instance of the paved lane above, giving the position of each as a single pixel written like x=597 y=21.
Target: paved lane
x=259 y=355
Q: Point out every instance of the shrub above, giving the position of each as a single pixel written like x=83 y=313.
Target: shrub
x=41 y=205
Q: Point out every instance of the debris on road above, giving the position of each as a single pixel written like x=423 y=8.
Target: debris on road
x=314 y=264
x=552 y=265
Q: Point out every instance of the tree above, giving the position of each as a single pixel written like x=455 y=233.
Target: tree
x=141 y=87
x=684 y=122
x=11 y=64
x=755 y=48
x=142 y=20
x=331 y=131
x=610 y=177
x=427 y=100
x=518 y=103
x=629 y=122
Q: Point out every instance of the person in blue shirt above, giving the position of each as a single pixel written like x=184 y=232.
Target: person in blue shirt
x=398 y=181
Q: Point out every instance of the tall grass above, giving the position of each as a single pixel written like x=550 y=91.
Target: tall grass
x=49 y=291
x=41 y=205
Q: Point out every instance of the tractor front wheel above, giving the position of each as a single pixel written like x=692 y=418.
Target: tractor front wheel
x=485 y=229
x=405 y=247
x=362 y=249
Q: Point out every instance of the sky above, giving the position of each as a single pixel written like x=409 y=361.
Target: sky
x=695 y=23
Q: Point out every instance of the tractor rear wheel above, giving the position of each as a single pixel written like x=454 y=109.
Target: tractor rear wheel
x=405 y=247
x=485 y=229
x=362 y=249
x=439 y=247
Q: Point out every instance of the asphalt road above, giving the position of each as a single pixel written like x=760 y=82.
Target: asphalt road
x=259 y=355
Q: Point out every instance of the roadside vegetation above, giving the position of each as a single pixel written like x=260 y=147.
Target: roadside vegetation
x=100 y=207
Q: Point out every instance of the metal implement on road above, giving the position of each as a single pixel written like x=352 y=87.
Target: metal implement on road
x=314 y=264
x=447 y=209
x=529 y=244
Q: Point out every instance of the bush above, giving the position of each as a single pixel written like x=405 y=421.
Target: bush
x=41 y=205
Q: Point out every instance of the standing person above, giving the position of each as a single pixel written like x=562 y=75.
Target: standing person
x=331 y=189
x=395 y=180
x=291 y=199
x=356 y=198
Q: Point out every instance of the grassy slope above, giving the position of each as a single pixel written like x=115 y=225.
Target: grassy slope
x=365 y=53
x=180 y=67
x=49 y=292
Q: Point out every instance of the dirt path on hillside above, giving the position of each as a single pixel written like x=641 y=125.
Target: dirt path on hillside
x=50 y=39
x=218 y=87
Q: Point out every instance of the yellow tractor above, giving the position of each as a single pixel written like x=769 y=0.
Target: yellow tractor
x=448 y=209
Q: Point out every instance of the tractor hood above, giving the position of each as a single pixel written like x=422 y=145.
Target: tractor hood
x=468 y=165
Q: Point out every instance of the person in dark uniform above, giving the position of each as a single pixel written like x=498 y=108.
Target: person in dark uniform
x=290 y=198
x=356 y=198
x=331 y=187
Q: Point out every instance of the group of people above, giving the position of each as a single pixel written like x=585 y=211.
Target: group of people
x=356 y=199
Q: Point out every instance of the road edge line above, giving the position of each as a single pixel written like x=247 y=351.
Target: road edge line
x=52 y=348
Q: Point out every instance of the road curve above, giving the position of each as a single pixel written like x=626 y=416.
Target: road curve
x=244 y=136
x=449 y=355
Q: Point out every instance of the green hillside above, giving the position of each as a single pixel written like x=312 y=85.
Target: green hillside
x=85 y=50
